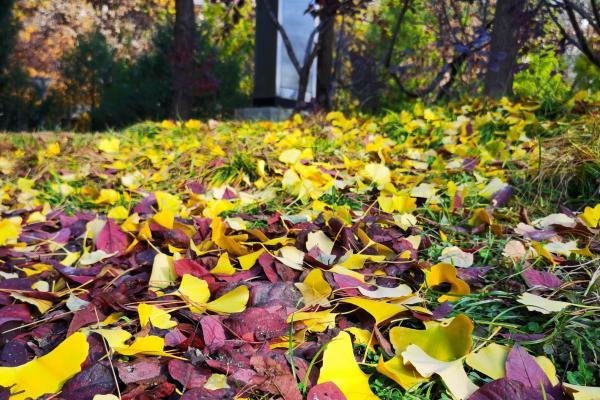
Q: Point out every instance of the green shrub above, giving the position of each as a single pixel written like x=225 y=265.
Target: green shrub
x=543 y=82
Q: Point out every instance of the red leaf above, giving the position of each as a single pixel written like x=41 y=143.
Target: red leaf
x=504 y=389
x=522 y=367
x=111 y=239
x=325 y=391
x=212 y=330
x=541 y=278
x=188 y=375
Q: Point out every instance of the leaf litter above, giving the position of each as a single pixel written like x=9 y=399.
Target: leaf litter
x=332 y=257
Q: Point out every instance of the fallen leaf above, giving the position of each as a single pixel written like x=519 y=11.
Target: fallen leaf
x=541 y=304
x=452 y=372
x=315 y=289
x=340 y=368
x=159 y=318
x=48 y=373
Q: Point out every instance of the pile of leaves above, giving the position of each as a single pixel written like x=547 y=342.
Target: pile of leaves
x=328 y=258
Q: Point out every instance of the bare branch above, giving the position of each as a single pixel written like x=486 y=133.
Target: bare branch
x=284 y=37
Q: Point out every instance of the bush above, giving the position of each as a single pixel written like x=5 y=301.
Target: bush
x=542 y=82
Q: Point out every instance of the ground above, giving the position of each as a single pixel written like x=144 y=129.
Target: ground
x=434 y=253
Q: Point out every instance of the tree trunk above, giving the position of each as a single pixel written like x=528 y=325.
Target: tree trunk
x=325 y=65
x=183 y=59
x=504 y=48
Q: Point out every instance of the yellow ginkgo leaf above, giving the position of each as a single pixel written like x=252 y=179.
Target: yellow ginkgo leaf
x=109 y=145
x=163 y=271
x=219 y=227
x=489 y=360
x=357 y=261
x=541 y=304
x=115 y=338
x=319 y=240
x=447 y=340
x=582 y=392
x=48 y=373
x=446 y=273
x=165 y=218
x=167 y=201
x=315 y=289
x=216 y=382
x=452 y=372
x=108 y=196
x=317 y=321
x=159 y=318
x=194 y=290
x=379 y=309
x=379 y=174
x=248 y=261
x=292 y=257
x=10 y=229
x=42 y=305
x=231 y=302
x=341 y=368
x=223 y=266
x=149 y=345
x=591 y=216
x=404 y=375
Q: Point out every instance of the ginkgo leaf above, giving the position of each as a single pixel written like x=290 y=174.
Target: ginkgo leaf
x=340 y=367
x=590 y=216
x=165 y=218
x=315 y=289
x=446 y=273
x=10 y=229
x=109 y=145
x=455 y=256
x=317 y=321
x=541 y=304
x=231 y=302
x=42 y=305
x=159 y=318
x=216 y=382
x=379 y=174
x=357 y=261
x=379 y=309
x=149 y=345
x=194 y=290
x=452 y=372
x=319 y=240
x=447 y=340
x=292 y=257
x=382 y=292
x=247 y=261
x=219 y=227
x=404 y=375
x=95 y=257
x=582 y=392
x=223 y=266
x=48 y=373
x=163 y=271
x=489 y=360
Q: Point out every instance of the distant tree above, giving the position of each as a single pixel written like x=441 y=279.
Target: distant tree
x=8 y=31
x=325 y=11
x=579 y=23
x=183 y=58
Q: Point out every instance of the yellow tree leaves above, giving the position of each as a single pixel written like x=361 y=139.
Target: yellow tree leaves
x=195 y=291
x=446 y=273
x=10 y=229
x=48 y=373
x=340 y=367
x=315 y=289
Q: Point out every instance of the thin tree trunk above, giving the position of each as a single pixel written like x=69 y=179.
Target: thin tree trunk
x=504 y=48
x=325 y=65
x=183 y=59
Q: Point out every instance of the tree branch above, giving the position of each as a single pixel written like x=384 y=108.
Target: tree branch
x=284 y=37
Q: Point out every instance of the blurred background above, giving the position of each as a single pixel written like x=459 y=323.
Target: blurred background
x=89 y=65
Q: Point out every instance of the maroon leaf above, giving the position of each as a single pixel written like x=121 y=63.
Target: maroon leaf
x=15 y=312
x=279 y=378
x=504 y=389
x=111 y=238
x=94 y=380
x=187 y=374
x=141 y=370
x=213 y=333
x=522 y=367
x=540 y=278
x=325 y=391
